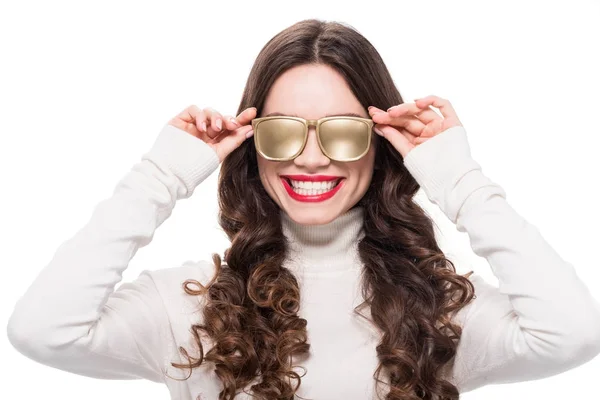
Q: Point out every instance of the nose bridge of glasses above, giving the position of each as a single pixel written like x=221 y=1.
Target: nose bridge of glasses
x=311 y=141
x=311 y=123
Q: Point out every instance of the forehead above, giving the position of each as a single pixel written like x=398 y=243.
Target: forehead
x=311 y=91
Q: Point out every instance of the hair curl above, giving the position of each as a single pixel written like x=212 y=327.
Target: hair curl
x=252 y=302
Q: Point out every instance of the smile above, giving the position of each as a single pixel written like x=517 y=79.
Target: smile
x=311 y=191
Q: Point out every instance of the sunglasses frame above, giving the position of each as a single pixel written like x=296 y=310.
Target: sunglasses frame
x=316 y=123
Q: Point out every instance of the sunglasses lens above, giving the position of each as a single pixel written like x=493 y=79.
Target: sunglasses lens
x=345 y=139
x=279 y=138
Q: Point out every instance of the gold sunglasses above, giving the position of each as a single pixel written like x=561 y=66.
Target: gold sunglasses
x=341 y=138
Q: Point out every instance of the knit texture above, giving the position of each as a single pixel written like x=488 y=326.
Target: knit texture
x=540 y=321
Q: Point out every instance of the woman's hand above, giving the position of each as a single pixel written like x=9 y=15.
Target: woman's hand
x=407 y=125
x=223 y=133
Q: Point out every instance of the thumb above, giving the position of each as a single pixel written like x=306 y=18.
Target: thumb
x=233 y=140
x=397 y=138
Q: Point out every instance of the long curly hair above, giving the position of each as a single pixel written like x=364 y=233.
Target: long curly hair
x=252 y=302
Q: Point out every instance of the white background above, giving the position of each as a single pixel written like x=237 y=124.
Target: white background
x=86 y=86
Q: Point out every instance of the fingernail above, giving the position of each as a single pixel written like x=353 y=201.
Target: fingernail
x=218 y=123
x=377 y=131
x=249 y=133
x=203 y=126
x=233 y=121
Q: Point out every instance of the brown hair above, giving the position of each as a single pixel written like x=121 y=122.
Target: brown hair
x=252 y=301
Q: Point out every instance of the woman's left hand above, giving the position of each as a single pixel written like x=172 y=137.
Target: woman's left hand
x=407 y=125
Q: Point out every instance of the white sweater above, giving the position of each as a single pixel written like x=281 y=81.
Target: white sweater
x=541 y=321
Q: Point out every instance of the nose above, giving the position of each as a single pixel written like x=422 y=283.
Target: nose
x=312 y=158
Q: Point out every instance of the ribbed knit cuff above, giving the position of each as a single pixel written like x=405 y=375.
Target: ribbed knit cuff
x=191 y=159
x=440 y=162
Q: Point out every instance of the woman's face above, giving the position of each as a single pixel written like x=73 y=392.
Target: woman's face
x=313 y=92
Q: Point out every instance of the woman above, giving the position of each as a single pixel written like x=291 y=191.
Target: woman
x=340 y=281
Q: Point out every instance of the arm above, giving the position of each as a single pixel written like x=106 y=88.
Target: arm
x=70 y=317
x=542 y=319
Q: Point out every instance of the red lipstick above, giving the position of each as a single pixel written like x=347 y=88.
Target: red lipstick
x=311 y=178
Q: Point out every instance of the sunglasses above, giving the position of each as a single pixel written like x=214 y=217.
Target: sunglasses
x=341 y=138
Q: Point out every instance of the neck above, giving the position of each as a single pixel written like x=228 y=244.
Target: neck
x=316 y=249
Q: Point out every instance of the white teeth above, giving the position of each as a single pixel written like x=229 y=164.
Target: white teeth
x=308 y=188
x=313 y=185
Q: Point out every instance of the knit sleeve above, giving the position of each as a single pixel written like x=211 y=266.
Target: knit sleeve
x=542 y=319
x=71 y=318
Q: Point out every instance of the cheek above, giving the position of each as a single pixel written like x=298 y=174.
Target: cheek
x=267 y=170
x=364 y=166
x=363 y=170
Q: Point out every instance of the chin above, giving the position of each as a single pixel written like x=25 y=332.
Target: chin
x=312 y=217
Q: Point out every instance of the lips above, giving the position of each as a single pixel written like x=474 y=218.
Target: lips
x=289 y=178
x=312 y=178
x=311 y=198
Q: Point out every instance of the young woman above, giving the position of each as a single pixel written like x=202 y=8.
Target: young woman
x=334 y=278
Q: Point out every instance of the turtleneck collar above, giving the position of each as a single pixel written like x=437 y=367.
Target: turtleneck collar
x=330 y=247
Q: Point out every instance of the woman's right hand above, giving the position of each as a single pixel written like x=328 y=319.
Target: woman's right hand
x=223 y=133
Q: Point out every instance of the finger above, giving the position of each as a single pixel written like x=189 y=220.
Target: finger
x=414 y=140
x=216 y=120
x=246 y=116
x=187 y=117
x=206 y=125
x=409 y=135
x=399 y=109
x=234 y=123
x=442 y=104
x=208 y=122
x=409 y=122
x=374 y=110
x=407 y=109
x=424 y=114
x=231 y=122
x=200 y=118
x=396 y=137
x=234 y=139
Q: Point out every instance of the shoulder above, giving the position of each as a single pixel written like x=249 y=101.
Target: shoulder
x=183 y=310
x=170 y=286
x=200 y=270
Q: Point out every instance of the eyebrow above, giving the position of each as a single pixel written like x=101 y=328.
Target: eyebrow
x=348 y=114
